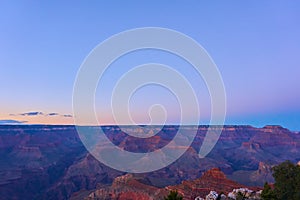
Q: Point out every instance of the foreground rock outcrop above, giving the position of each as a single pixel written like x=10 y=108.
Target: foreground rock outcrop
x=212 y=180
x=236 y=194
x=127 y=187
x=210 y=184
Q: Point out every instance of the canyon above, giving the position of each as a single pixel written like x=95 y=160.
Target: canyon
x=50 y=162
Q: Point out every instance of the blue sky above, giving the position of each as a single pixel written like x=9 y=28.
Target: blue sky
x=255 y=45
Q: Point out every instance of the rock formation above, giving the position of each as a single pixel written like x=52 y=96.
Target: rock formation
x=42 y=161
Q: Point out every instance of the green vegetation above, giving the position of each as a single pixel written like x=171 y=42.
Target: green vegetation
x=240 y=196
x=173 y=195
x=268 y=193
x=287 y=183
x=220 y=195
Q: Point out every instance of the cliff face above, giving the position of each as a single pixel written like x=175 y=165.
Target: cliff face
x=127 y=187
x=212 y=180
x=50 y=161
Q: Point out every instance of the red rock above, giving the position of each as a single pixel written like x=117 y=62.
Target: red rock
x=212 y=180
x=127 y=187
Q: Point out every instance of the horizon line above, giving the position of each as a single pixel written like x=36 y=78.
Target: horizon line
x=102 y=125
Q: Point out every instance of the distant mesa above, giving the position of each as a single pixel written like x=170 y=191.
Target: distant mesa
x=273 y=127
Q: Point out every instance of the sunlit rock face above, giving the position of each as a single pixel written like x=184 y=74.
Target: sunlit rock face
x=131 y=187
x=246 y=193
x=212 y=180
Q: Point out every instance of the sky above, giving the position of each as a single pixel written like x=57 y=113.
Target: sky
x=255 y=45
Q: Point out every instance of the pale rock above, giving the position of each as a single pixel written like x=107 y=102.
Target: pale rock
x=213 y=195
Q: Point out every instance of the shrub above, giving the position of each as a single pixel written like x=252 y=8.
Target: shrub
x=173 y=195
